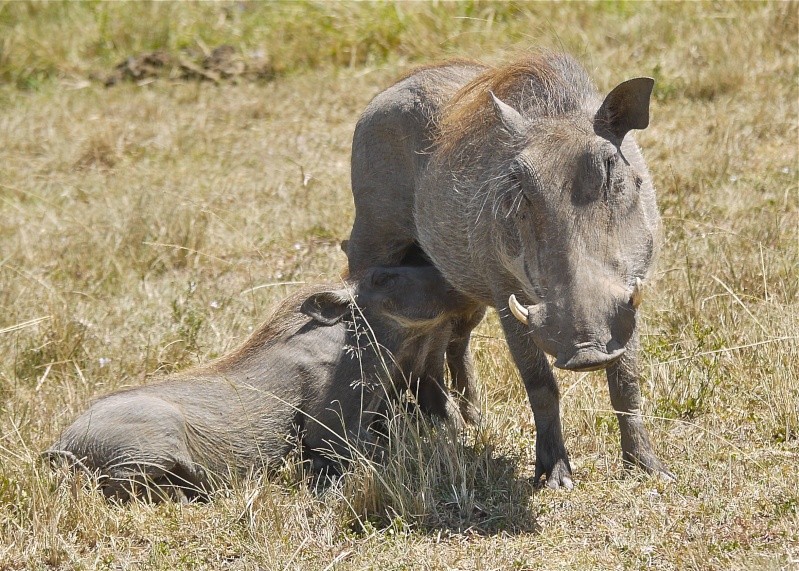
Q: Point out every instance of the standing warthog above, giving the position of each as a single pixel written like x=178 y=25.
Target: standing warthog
x=315 y=375
x=520 y=183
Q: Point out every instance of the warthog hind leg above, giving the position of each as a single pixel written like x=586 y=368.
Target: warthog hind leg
x=155 y=483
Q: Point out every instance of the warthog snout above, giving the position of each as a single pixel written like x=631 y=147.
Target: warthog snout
x=588 y=358
x=582 y=337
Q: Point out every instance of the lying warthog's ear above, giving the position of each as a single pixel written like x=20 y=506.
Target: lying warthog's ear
x=511 y=119
x=625 y=108
x=327 y=307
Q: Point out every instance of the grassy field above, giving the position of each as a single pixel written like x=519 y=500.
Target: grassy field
x=153 y=224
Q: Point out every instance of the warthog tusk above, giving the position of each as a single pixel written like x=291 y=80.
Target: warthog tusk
x=518 y=310
x=638 y=294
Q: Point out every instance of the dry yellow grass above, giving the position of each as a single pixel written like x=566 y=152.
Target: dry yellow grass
x=145 y=228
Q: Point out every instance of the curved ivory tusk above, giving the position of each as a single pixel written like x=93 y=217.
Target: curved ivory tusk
x=518 y=310
x=638 y=294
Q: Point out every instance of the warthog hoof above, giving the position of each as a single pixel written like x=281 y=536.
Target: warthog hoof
x=650 y=463
x=557 y=476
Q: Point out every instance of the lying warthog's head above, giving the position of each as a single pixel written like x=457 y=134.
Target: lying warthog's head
x=581 y=226
x=413 y=299
x=408 y=294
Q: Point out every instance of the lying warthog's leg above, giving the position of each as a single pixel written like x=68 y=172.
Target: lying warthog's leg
x=433 y=397
x=461 y=367
x=551 y=458
x=625 y=395
x=183 y=481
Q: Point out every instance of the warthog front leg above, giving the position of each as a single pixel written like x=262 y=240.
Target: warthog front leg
x=625 y=396
x=551 y=457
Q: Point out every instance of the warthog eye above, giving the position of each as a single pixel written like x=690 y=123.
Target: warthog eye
x=383 y=278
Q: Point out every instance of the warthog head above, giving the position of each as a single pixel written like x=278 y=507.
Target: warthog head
x=416 y=299
x=582 y=225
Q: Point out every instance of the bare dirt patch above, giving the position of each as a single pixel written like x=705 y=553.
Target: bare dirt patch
x=223 y=63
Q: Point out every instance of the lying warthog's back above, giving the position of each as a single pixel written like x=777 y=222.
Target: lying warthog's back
x=243 y=412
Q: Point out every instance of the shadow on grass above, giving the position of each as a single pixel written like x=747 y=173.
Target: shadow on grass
x=496 y=505
x=442 y=483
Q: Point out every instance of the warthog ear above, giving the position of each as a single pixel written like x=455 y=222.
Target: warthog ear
x=625 y=108
x=511 y=119
x=327 y=307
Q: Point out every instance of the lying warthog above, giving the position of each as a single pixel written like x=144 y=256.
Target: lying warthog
x=314 y=375
x=520 y=183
